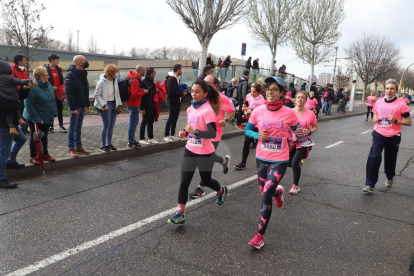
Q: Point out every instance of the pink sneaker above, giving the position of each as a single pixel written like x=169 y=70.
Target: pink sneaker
x=294 y=190
x=257 y=241
x=279 y=200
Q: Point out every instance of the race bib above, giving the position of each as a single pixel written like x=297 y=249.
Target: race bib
x=195 y=141
x=370 y=103
x=384 y=122
x=306 y=142
x=274 y=144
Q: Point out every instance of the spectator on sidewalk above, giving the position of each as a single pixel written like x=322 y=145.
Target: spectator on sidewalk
x=208 y=60
x=108 y=103
x=206 y=71
x=313 y=88
x=248 y=64
x=329 y=99
x=231 y=88
x=56 y=80
x=40 y=109
x=134 y=102
x=174 y=101
x=292 y=89
x=218 y=68
x=148 y=108
x=226 y=65
x=340 y=94
x=77 y=96
x=255 y=68
x=241 y=96
x=303 y=87
x=282 y=72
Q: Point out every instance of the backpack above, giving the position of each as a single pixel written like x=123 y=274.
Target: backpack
x=326 y=95
x=164 y=87
x=123 y=85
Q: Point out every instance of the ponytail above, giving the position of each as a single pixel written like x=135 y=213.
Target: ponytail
x=213 y=96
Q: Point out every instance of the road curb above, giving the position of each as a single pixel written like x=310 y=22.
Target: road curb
x=97 y=158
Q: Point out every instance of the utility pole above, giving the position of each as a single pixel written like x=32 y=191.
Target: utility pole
x=336 y=56
x=77 y=46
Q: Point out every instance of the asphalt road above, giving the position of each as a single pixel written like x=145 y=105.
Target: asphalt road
x=60 y=225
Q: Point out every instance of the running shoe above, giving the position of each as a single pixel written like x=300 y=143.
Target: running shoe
x=167 y=139
x=257 y=241
x=174 y=138
x=143 y=142
x=294 y=190
x=62 y=129
x=153 y=141
x=177 y=219
x=240 y=166
x=134 y=145
x=389 y=183
x=279 y=200
x=221 y=198
x=110 y=147
x=198 y=192
x=239 y=126
x=368 y=190
x=226 y=165
x=104 y=149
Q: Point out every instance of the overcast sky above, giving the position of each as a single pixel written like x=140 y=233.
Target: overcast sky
x=153 y=24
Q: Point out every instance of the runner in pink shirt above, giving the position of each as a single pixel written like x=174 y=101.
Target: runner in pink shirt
x=370 y=104
x=199 y=151
x=273 y=121
x=300 y=147
x=390 y=114
x=312 y=102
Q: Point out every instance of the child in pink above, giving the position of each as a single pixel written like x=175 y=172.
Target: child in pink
x=370 y=104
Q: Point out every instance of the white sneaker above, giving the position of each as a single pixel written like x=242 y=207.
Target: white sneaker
x=143 y=142
x=389 y=183
x=174 y=138
x=153 y=141
x=368 y=190
x=167 y=139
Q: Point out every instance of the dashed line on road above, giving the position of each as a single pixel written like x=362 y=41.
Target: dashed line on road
x=333 y=145
x=369 y=130
x=117 y=233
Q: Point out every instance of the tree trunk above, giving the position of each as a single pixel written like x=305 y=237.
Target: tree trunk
x=203 y=58
x=312 y=66
x=204 y=39
x=364 y=96
x=272 y=63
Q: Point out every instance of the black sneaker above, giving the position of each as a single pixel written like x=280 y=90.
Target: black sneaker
x=51 y=130
x=240 y=166
x=5 y=184
x=14 y=165
x=134 y=145
x=198 y=192
x=62 y=129
x=110 y=147
x=226 y=165
x=105 y=149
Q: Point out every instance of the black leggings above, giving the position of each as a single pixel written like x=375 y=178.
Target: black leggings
x=147 y=121
x=217 y=159
x=269 y=175
x=295 y=156
x=190 y=163
x=369 y=110
x=59 y=105
x=246 y=146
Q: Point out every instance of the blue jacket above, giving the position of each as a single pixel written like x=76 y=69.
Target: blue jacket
x=76 y=87
x=40 y=106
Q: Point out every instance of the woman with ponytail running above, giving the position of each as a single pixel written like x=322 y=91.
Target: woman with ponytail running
x=199 y=150
x=300 y=147
x=273 y=121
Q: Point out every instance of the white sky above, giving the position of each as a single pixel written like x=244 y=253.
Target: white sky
x=153 y=24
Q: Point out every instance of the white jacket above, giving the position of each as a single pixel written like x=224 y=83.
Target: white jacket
x=102 y=93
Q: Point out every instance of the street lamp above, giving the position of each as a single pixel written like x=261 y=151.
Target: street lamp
x=336 y=56
x=401 y=81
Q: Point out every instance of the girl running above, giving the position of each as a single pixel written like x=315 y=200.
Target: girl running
x=199 y=151
x=273 y=121
x=370 y=104
x=300 y=147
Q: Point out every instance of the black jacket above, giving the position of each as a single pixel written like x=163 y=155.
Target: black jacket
x=174 y=94
x=147 y=101
x=76 y=87
x=227 y=62
x=314 y=90
x=208 y=61
x=293 y=91
x=11 y=107
x=242 y=88
x=8 y=84
x=255 y=64
x=331 y=94
x=61 y=79
x=248 y=64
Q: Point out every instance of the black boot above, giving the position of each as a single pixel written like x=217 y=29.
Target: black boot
x=7 y=185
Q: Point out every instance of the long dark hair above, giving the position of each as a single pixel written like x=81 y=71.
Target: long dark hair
x=212 y=95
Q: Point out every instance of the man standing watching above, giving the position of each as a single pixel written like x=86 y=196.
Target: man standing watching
x=56 y=80
x=241 y=97
x=330 y=99
x=255 y=68
x=134 y=102
x=77 y=94
x=174 y=101
x=248 y=64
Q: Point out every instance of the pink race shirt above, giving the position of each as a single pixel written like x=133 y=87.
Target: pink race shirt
x=382 y=109
x=312 y=103
x=225 y=107
x=277 y=124
x=307 y=119
x=371 y=101
x=198 y=119
x=255 y=102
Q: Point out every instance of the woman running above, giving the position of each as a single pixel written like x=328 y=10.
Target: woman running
x=300 y=147
x=370 y=104
x=273 y=121
x=199 y=151
x=253 y=99
x=312 y=103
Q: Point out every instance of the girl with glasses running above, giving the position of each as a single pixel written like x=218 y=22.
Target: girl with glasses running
x=199 y=151
x=273 y=121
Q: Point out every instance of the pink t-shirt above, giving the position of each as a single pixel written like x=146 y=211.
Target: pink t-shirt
x=198 y=119
x=225 y=107
x=277 y=124
x=311 y=103
x=255 y=102
x=307 y=119
x=406 y=100
x=371 y=100
x=382 y=109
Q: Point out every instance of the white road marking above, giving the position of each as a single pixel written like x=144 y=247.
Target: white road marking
x=369 y=130
x=333 y=145
x=90 y=244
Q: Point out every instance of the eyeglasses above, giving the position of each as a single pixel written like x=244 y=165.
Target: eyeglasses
x=273 y=90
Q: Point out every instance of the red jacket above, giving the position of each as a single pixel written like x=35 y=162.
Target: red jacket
x=19 y=74
x=135 y=91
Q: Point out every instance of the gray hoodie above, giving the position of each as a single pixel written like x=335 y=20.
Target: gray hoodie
x=102 y=93
x=8 y=84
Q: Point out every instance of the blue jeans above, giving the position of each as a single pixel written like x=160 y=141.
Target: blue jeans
x=75 y=128
x=133 y=122
x=172 y=119
x=328 y=107
x=19 y=141
x=108 y=123
x=6 y=141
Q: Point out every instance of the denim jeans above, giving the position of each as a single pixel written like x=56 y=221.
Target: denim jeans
x=19 y=141
x=6 y=141
x=133 y=122
x=75 y=128
x=108 y=123
x=328 y=107
x=172 y=119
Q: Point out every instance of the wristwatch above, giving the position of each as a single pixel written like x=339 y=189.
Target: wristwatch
x=196 y=132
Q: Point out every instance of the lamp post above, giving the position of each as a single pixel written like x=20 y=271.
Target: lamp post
x=336 y=56
x=77 y=46
x=402 y=77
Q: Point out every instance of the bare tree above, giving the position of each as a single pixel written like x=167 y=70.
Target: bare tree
x=133 y=52
x=316 y=30
x=268 y=24
x=70 y=46
x=22 y=25
x=372 y=56
x=206 y=17
x=341 y=79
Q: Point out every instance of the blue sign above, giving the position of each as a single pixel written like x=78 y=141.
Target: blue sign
x=243 y=50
